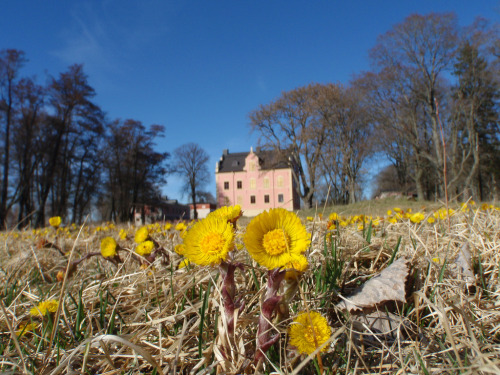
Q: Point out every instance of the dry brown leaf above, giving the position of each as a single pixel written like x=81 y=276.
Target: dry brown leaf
x=464 y=265
x=378 y=322
x=389 y=285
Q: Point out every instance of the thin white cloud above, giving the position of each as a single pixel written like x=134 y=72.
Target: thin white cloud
x=105 y=36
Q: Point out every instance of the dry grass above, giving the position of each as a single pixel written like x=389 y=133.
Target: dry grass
x=127 y=320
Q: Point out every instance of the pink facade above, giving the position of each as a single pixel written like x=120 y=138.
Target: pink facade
x=253 y=182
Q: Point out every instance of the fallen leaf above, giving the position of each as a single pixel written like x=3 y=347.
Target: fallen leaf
x=463 y=262
x=389 y=285
x=378 y=322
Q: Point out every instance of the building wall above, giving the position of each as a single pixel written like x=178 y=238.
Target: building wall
x=253 y=183
x=203 y=209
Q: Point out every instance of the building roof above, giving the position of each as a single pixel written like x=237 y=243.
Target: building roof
x=234 y=162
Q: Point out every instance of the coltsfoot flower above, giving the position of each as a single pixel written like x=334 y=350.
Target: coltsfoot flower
x=179 y=249
x=49 y=306
x=209 y=241
x=417 y=217
x=309 y=331
x=276 y=237
x=180 y=226
x=123 y=234
x=183 y=264
x=295 y=267
x=55 y=221
x=229 y=213
x=145 y=248
x=108 y=247
x=26 y=328
x=141 y=235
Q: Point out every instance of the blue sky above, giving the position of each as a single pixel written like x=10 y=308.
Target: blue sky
x=199 y=67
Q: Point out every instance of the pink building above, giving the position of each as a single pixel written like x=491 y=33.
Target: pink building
x=257 y=181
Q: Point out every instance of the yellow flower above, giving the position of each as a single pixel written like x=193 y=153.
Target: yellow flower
x=333 y=216
x=209 y=241
x=45 y=307
x=167 y=226
x=141 y=235
x=431 y=220
x=183 y=264
x=397 y=209
x=145 y=248
x=181 y=226
x=389 y=212
x=309 y=218
x=436 y=260
x=123 y=234
x=296 y=267
x=229 y=213
x=108 y=247
x=276 y=237
x=417 y=217
x=55 y=221
x=25 y=328
x=179 y=249
x=309 y=331
x=393 y=220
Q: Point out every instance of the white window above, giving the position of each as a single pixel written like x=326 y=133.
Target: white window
x=252 y=183
x=279 y=181
x=265 y=183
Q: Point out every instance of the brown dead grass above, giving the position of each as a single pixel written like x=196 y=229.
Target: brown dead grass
x=447 y=326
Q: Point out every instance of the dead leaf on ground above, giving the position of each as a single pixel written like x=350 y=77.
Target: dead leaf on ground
x=389 y=285
x=463 y=261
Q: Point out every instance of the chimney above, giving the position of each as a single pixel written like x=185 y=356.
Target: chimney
x=225 y=152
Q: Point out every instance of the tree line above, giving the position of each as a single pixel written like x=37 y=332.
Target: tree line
x=429 y=104
x=62 y=156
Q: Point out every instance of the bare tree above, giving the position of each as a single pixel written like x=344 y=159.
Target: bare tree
x=26 y=143
x=11 y=61
x=349 y=139
x=418 y=51
x=190 y=162
x=475 y=117
x=74 y=113
x=134 y=169
x=290 y=126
